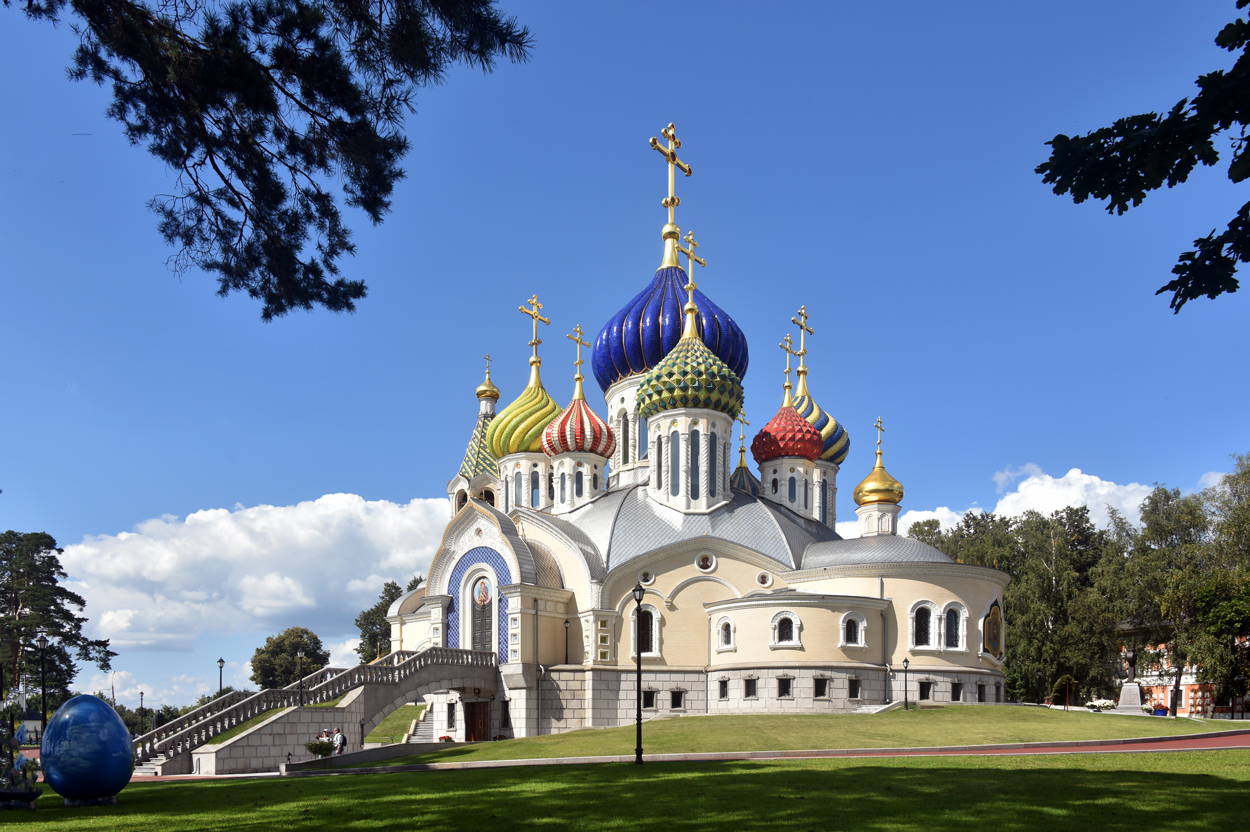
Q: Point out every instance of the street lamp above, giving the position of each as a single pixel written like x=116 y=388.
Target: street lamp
x=299 y=671
x=221 y=665
x=638 y=593
x=140 y=712
x=566 y=641
x=1039 y=687
x=905 y=664
x=42 y=641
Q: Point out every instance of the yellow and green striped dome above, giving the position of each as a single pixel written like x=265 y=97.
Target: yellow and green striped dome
x=520 y=426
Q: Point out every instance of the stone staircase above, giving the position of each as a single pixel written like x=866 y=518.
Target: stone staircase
x=152 y=768
x=201 y=726
x=425 y=729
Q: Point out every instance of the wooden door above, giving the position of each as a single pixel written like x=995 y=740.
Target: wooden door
x=482 y=623
x=478 y=718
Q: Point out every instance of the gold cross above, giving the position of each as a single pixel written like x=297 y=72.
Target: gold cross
x=533 y=313
x=670 y=154
x=487 y=357
x=742 y=430
x=804 y=330
x=880 y=430
x=787 y=344
x=692 y=258
x=576 y=338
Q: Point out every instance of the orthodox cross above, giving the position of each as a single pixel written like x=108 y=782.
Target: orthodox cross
x=533 y=313
x=787 y=344
x=804 y=330
x=576 y=338
x=487 y=357
x=670 y=154
x=742 y=430
x=880 y=430
x=691 y=257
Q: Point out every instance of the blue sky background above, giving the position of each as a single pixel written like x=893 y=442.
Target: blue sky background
x=871 y=162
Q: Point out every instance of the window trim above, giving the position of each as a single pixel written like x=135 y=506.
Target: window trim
x=962 y=611
x=860 y=619
x=732 y=646
x=935 y=641
x=797 y=643
x=654 y=653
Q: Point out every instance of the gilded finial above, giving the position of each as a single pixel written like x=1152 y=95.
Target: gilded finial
x=671 y=232
x=880 y=430
x=576 y=338
x=691 y=329
x=487 y=389
x=878 y=486
x=742 y=439
x=535 y=361
x=787 y=344
x=804 y=330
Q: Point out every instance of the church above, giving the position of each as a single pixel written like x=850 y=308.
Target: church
x=579 y=544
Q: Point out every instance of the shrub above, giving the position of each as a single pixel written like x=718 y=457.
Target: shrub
x=320 y=748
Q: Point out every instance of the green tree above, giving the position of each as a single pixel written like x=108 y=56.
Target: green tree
x=1142 y=153
x=204 y=699
x=277 y=665
x=34 y=601
x=375 y=632
x=272 y=111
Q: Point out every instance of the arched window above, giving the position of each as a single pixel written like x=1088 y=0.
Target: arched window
x=726 y=635
x=646 y=630
x=489 y=496
x=564 y=495
x=534 y=492
x=852 y=631
x=624 y=438
x=461 y=499
x=551 y=486
x=774 y=485
x=792 y=489
x=924 y=622
x=694 y=465
x=824 y=501
x=518 y=489
x=642 y=438
x=674 y=463
x=577 y=483
x=952 y=628
x=806 y=500
x=658 y=464
x=711 y=465
x=594 y=482
x=785 y=630
x=505 y=493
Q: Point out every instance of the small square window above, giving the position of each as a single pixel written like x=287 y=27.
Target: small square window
x=603 y=623
x=648 y=699
x=724 y=689
x=750 y=689
x=516 y=637
x=852 y=688
x=603 y=655
x=515 y=621
x=678 y=699
x=513 y=655
x=783 y=688
x=822 y=688
x=603 y=638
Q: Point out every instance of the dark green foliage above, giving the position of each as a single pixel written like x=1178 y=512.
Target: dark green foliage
x=276 y=664
x=375 y=633
x=206 y=698
x=1142 y=153
x=260 y=105
x=33 y=601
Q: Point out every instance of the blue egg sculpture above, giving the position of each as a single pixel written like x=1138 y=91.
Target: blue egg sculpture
x=86 y=751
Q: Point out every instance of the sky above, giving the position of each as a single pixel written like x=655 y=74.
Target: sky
x=215 y=479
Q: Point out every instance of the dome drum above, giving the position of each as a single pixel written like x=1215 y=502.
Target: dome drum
x=527 y=481
x=630 y=453
x=795 y=483
x=689 y=453
x=577 y=480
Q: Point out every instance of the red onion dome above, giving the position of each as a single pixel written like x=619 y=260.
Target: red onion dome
x=579 y=429
x=788 y=434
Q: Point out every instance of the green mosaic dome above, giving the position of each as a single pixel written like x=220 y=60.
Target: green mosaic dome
x=690 y=376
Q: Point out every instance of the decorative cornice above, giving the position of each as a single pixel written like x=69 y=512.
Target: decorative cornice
x=894 y=570
x=797 y=599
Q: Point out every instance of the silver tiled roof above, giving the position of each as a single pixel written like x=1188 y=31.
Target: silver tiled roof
x=627 y=524
x=885 y=548
x=545 y=562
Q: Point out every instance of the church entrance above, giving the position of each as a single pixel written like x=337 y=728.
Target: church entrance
x=477 y=721
x=481 y=620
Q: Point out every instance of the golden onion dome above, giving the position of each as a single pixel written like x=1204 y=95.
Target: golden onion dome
x=878 y=486
x=487 y=389
x=519 y=428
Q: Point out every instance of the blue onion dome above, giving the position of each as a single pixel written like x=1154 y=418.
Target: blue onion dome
x=691 y=375
x=650 y=325
x=837 y=440
x=519 y=427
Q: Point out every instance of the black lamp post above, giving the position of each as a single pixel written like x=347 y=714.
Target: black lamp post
x=221 y=666
x=42 y=641
x=905 y=664
x=140 y=712
x=1039 y=687
x=299 y=671
x=566 y=641
x=638 y=593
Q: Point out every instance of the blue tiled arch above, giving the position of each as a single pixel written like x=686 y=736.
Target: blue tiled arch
x=473 y=557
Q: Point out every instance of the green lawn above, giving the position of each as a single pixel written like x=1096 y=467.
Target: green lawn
x=953 y=725
x=395 y=725
x=1118 y=792
x=242 y=726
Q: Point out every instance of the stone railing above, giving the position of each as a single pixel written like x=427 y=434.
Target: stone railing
x=325 y=685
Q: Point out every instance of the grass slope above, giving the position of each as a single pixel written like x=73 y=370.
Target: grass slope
x=395 y=725
x=225 y=736
x=954 y=725
x=1115 y=792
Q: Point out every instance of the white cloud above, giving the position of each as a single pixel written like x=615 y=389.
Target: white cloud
x=1006 y=477
x=848 y=529
x=1211 y=478
x=1044 y=493
x=126 y=686
x=315 y=564
x=343 y=653
x=948 y=518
